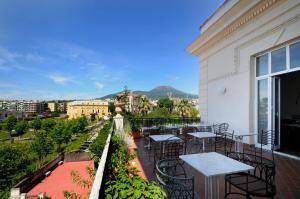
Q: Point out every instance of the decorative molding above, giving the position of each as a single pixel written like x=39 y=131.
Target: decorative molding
x=237 y=49
x=251 y=14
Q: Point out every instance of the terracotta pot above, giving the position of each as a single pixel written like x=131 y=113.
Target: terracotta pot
x=136 y=134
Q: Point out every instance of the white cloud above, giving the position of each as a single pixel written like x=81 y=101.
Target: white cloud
x=59 y=79
x=10 y=60
x=99 y=85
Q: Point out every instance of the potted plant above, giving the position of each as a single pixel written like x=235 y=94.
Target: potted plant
x=135 y=130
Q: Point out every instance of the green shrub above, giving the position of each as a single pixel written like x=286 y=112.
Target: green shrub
x=98 y=144
x=123 y=182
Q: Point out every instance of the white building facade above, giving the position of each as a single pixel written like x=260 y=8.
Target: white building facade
x=244 y=49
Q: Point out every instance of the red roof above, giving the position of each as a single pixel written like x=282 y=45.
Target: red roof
x=60 y=180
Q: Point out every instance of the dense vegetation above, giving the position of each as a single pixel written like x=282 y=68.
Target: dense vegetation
x=123 y=181
x=98 y=144
x=48 y=137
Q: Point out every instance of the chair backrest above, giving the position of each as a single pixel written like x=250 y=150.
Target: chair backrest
x=266 y=140
x=173 y=149
x=205 y=128
x=220 y=127
x=264 y=169
x=170 y=180
x=224 y=142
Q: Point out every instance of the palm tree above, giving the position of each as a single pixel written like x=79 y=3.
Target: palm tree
x=144 y=105
x=184 y=108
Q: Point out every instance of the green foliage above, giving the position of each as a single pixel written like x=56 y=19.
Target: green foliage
x=15 y=162
x=42 y=145
x=184 y=108
x=48 y=124
x=36 y=123
x=78 y=125
x=123 y=182
x=76 y=144
x=112 y=108
x=144 y=105
x=135 y=127
x=161 y=113
x=10 y=121
x=98 y=144
x=60 y=134
x=165 y=103
x=21 y=127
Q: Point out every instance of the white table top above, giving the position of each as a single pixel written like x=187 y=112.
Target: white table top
x=165 y=137
x=203 y=134
x=150 y=128
x=214 y=164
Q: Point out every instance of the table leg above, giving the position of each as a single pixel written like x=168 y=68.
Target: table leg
x=212 y=187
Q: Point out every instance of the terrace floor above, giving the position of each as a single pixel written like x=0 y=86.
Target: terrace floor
x=287 y=174
x=60 y=180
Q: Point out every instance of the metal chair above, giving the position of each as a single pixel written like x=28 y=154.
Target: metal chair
x=168 y=149
x=190 y=143
x=261 y=181
x=172 y=178
x=220 y=127
x=223 y=142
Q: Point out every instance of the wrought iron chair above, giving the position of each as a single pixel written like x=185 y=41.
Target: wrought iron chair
x=172 y=178
x=190 y=143
x=261 y=181
x=168 y=149
x=220 y=127
x=223 y=142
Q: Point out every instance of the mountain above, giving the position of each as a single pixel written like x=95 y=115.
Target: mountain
x=160 y=92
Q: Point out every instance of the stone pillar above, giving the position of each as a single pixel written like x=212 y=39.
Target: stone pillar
x=118 y=119
x=15 y=193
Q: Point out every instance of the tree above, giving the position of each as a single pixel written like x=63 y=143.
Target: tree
x=144 y=105
x=48 y=124
x=42 y=145
x=36 y=123
x=166 y=103
x=15 y=162
x=112 y=108
x=60 y=134
x=21 y=127
x=11 y=121
x=78 y=125
x=184 y=108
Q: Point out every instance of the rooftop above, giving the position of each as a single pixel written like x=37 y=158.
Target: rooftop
x=60 y=180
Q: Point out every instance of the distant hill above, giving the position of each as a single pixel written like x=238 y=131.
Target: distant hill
x=160 y=92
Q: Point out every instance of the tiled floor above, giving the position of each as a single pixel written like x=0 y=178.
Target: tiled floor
x=287 y=174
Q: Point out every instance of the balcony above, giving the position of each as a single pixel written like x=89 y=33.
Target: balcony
x=287 y=169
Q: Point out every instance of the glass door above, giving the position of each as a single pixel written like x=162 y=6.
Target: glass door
x=262 y=109
x=276 y=111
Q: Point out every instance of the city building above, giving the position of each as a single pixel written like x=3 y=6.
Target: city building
x=130 y=100
x=4 y=114
x=52 y=106
x=57 y=106
x=89 y=108
x=31 y=107
x=249 y=54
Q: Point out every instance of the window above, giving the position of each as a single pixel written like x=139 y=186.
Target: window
x=262 y=65
x=295 y=55
x=278 y=60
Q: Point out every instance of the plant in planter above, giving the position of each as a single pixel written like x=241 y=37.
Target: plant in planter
x=135 y=130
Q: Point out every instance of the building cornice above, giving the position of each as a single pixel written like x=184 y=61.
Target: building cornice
x=197 y=48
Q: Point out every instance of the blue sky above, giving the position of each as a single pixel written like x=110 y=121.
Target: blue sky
x=75 y=49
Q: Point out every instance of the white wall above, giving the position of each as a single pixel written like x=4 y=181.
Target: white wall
x=230 y=65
